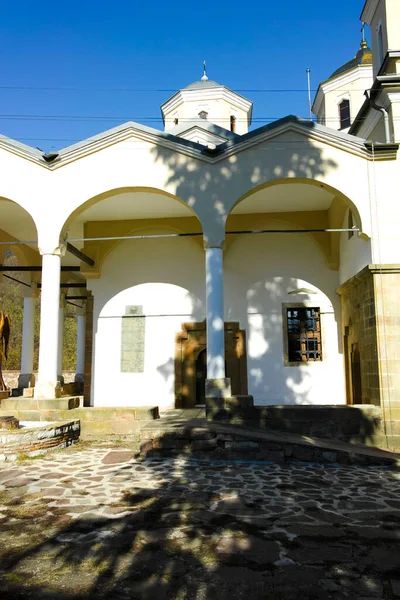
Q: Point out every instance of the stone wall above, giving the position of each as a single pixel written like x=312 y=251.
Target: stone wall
x=33 y=441
x=359 y=330
x=371 y=319
x=11 y=378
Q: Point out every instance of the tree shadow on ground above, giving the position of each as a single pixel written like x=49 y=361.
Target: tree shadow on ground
x=195 y=534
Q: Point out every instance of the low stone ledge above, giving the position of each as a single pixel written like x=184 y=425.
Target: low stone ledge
x=34 y=441
x=241 y=447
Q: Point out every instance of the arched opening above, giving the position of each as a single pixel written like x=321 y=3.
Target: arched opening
x=102 y=228
x=16 y=276
x=292 y=314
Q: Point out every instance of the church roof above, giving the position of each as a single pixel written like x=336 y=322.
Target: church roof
x=363 y=57
x=202 y=85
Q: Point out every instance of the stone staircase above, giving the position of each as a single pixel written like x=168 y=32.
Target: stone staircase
x=357 y=423
x=277 y=434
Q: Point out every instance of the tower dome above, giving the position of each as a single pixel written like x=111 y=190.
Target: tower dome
x=208 y=101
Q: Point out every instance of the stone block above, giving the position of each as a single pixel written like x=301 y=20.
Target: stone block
x=303 y=453
x=276 y=455
x=146 y=413
x=330 y=457
x=171 y=444
x=26 y=380
x=242 y=446
x=19 y=404
x=218 y=388
x=201 y=433
x=48 y=389
x=66 y=403
x=204 y=444
x=28 y=392
x=9 y=423
x=146 y=447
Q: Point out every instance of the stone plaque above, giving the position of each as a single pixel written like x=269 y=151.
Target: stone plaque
x=132 y=340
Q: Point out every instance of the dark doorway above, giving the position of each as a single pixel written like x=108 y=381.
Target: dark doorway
x=356 y=374
x=201 y=374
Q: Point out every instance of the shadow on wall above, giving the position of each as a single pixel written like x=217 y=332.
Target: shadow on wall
x=213 y=189
x=271 y=381
x=196 y=315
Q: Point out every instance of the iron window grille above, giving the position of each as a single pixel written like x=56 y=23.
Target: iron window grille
x=304 y=334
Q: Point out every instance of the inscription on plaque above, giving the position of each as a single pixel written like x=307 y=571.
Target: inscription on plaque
x=132 y=340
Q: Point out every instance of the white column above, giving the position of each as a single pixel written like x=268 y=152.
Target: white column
x=216 y=385
x=80 y=343
x=60 y=352
x=26 y=378
x=48 y=386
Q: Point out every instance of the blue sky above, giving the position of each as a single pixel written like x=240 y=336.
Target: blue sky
x=102 y=47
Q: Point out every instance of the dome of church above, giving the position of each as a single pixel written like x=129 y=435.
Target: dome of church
x=363 y=57
x=203 y=84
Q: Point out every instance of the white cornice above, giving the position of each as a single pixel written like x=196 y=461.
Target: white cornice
x=23 y=152
x=358 y=72
x=216 y=93
x=369 y=10
x=324 y=135
x=332 y=84
x=332 y=138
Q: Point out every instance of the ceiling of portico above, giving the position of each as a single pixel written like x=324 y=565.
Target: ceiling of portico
x=285 y=197
x=16 y=221
x=134 y=205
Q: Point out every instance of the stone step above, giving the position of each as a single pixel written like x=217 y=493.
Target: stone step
x=330 y=422
x=207 y=439
x=25 y=404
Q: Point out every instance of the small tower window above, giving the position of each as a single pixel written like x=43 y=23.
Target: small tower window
x=176 y=121
x=379 y=41
x=233 y=123
x=203 y=115
x=344 y=114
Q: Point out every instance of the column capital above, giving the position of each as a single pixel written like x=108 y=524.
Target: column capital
x=58 y=251
x=208 y=244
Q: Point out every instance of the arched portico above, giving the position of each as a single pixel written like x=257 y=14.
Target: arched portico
x=17 y=225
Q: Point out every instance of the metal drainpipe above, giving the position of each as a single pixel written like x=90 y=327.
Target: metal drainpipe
x=383 y=111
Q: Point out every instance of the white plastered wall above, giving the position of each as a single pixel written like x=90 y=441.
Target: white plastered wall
x=166 y=277
x=355 y=253
x=259 y=273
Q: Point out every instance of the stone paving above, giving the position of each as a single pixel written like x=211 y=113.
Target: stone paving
x=95 y=522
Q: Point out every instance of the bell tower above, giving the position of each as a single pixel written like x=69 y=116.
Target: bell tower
x=207 y=102
x=383 y=17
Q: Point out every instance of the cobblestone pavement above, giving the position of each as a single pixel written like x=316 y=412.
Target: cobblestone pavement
x=94 y=522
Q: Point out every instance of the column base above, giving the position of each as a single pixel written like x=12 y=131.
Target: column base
x=26 y=380
x=47 y=389
x=79 y=378
x=218 y=388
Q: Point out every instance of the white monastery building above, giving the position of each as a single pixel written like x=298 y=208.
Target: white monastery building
x=217 y=261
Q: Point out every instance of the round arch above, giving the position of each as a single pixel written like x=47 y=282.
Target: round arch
x=343 y=202
x=116 y=192
x=17 y=224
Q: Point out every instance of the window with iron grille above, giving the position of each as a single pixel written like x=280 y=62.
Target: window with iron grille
x=304 y=334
